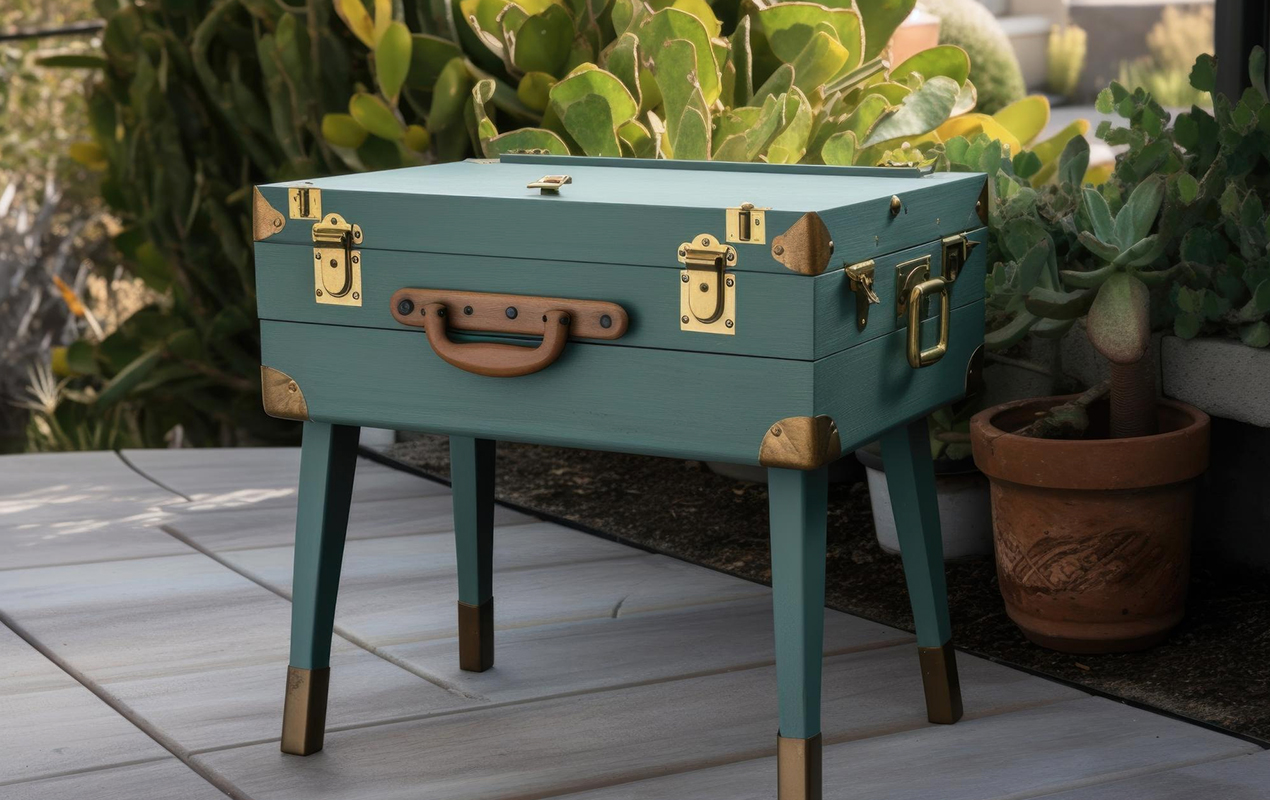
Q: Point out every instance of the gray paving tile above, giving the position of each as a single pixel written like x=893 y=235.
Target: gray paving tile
x=551 y=747
x=158 y=780
x=92 y=536
x=404 y=589
x=273 y=525
x=52 y=724
x=1014 y=755
x=198 y=651
x=1244 y=777
x=607 y=652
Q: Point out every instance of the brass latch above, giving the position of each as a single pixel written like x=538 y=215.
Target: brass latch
x=304 y=202
x=956 y=254
x=337 y=269
x=550 y=184
x=907 y=276
x=746 y=224
x=707 y=293
x=860 y=280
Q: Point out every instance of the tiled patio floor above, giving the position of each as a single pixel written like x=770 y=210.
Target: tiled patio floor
x=144 y=602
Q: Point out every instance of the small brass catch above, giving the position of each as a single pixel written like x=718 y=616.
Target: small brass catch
x=550 y=184
x=337 y=268
x=860 y=279
x=746 y=224
x=304 y=202
x=956 y=254
x=707 y=291
x=908 y=275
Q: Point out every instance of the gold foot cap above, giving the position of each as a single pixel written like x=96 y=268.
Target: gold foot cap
x=281 y=395
x=798 y=768
x=939 y=679
x=304 y=715
x=476 y=636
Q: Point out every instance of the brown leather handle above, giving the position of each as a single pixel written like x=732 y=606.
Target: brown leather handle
x=497 y=360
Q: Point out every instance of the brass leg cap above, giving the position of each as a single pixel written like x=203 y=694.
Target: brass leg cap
x=476 y=636
x=304 y=715
x=798 y=768
x=939 y=679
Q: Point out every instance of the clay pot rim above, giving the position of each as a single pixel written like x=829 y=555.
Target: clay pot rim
x=1104 y=464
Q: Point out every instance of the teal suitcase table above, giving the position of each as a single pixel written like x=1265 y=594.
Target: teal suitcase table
x=748 y=313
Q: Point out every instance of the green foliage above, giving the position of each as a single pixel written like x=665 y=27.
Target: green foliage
x=1174 y=42
x=1065 y=59
x=995 y=72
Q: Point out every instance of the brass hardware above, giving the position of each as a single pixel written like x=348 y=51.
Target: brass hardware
x=974 y=372
x=907 y=275
x=860 y=279
x=806 y=247
x=940 y=682
x=337 y=268
x=304 y=202
x=917 y=357
x=281 y=395
x=746 y=224
x=476 y=636
x=897 y=205
x=550 y=184
x=265 y=219
x=800 y=443
x=956 y=253
x=799 y=768
x=707 y=291
x=304 y=712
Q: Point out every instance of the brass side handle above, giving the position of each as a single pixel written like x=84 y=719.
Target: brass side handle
x=917 y=357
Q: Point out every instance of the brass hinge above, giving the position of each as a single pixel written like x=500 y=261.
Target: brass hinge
x=550 y=184
x=956 y=254
x=746 y=224
x=707 y=291
x=337 y=268
x=860 y=280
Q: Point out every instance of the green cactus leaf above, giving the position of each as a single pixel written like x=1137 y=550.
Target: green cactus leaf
x=428 y=56
x=892 y=93
x=622 y=59
x=1052 y=328
x=674 y=62
x=482 y=93
x=921 y=112
x=358 y=20
x=1025 y=118
x=1050 y=149
x=791 y=143
x=452 y=90
x=1204 y=73
x=392 y=60
x=1053 y=304
x=526 y=140
x=839 y=149
x=1090 y=279
x=703 y=12
x=534 y=90
x=342 y=130
x=1032 y=268
x=589 y=80
x=1187 y=325
x=1255 y=335
x=589 y=120
x=1138 y=213
x=789 y=26
x=745 y=132
x=628 y=15
x=672 y=24
x=1012 y=333
x=865 y=115
x=819 y=61
x=1099 y=214
x=777 y=84
x=967 y=99
x=1026 y=164
x=1073 y=163
x=692 y=142
x=1107 y=252
x=881 y=19
x=636 y=138
x=947 y=60
x=543 y=41
x=1118 y=322
x=742 y=63
x=374 y=115
x=417 y=138
x=1141 y=253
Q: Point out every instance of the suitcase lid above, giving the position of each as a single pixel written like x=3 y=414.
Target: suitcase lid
x=804 y=218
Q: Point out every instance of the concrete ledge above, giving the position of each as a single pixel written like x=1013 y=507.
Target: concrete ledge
x=1224 y=377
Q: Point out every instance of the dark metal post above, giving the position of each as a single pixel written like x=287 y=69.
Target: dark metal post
x=1240 y=26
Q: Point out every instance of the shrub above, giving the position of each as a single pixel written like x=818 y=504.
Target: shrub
x=1065 y=59
x=995 y=69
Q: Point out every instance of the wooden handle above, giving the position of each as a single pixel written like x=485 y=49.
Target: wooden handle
x=497 y=360
x=518 y=314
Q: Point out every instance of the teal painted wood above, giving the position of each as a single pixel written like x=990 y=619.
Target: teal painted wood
x=870 y=388
x=328 y=458
x=472 y=481
x=910 y=477
x=629 y=399
x=621 y=215
x=797 y=501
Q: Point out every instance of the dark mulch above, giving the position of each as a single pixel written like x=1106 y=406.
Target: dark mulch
x=1215 y=668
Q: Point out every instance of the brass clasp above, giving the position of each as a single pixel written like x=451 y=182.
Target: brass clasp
x=337 y=270
x=860 y=280
x=956 y=254
x=746 y=224
x=550 y=184
x=707 y=294
x=917 y=357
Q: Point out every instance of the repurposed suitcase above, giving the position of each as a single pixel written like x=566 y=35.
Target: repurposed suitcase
x=747 y=313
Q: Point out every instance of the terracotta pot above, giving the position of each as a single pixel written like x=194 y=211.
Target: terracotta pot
x=1093 y=536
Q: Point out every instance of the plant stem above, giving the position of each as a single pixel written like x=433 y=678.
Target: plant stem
x=1133 y=399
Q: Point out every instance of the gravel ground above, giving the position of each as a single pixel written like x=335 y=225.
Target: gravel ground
x=1213 y=669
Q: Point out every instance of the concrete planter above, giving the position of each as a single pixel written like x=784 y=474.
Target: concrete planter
x=1224 y=377
x=965 y=517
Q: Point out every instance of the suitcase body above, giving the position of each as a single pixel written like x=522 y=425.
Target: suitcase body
x=748 y=313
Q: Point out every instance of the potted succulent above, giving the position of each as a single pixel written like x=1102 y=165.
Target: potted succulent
x=1092 y=494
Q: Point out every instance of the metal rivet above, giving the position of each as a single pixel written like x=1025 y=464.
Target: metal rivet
x=356 y=296
x=704 y=287
x=564 y=320
x=334 y=263
x=682 y=252
x=292 y=387
x=440 y=312
x=705 y=241
x=317 y=256
x=405 y=306
x=606 y=321
x=684 y=319
x=896 y=205
x=356 y=259
x=333 y=220
x=831 y=247
x=319 y=292
x=728 y=323
x=544 y=317
x=512 y=312
x=357 y=234
x=684 y=277
x=731 y=282
x=776 y=430
x=778 y=249
x=277 y=222
x=467 y=310
x=731 y=255
x=423 y=312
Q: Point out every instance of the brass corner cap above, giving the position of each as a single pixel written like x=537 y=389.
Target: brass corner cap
x=805 y=247
x=281 y=395
x=800 y=443
x=265 y=219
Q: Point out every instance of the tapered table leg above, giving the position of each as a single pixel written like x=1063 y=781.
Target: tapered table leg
x=472 y=479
